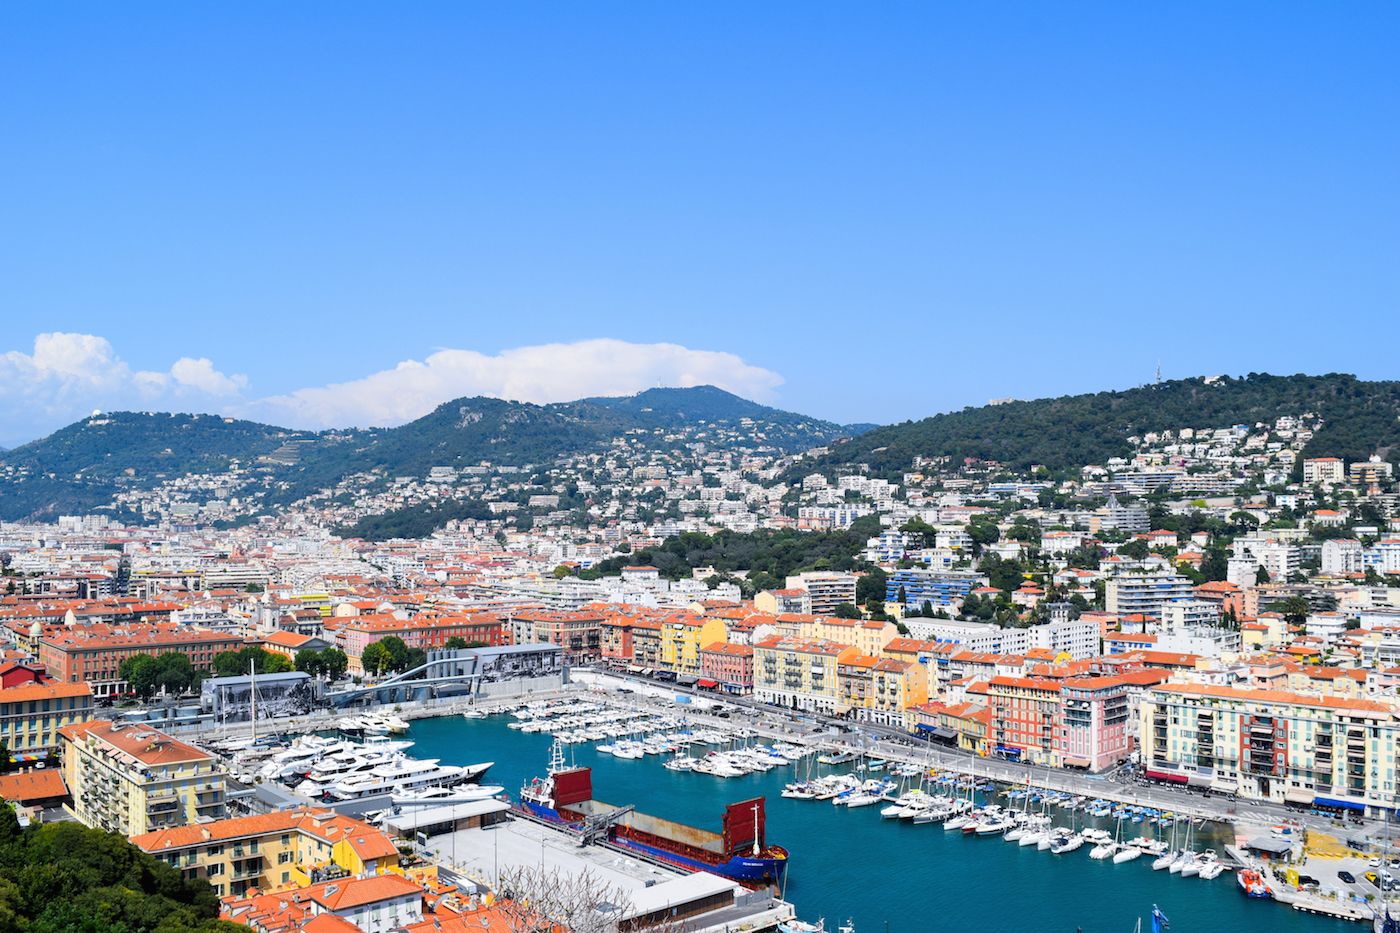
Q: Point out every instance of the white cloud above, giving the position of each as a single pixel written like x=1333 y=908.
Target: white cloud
x=553 y=372
x=68 y=375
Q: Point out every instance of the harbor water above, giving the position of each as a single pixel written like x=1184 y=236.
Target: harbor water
x=889 y=876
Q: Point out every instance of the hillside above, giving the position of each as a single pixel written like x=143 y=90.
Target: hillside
x=84 y=465
x=1360 y=419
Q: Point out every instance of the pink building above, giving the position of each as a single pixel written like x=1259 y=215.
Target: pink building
x=729 y=667
x=1096 y=730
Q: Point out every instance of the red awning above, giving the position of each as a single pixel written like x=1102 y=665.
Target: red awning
x=1166 y=776
x=707 y=684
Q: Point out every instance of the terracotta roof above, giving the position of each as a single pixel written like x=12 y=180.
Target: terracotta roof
x=42 y=784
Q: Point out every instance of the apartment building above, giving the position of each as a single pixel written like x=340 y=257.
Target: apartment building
x=798 y=673
x=1331 y=752
x=937 y=587
x=275 y=851
x=133 y=779
x=92 y=654
x=357 y=633
x=825 y=589
x=1133 y=593
x=579 y=633
x=682 y=636
x=1324 y=471
x=790 y=601
x=1025 y=719
x=31 y=715
x=1096 y=728
x=1342 y=557
x=727 y=667
x=879 y=690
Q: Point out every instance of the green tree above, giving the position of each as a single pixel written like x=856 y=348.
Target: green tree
x=871 y=585
x=846 y=611
x=334 y=663
x=374 y=659
x=238 y=663
x=456 y=641
x=174 y=673
x=140 y=672
x=1136 y=549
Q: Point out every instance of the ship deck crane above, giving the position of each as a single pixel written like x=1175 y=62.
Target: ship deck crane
x=596 y=826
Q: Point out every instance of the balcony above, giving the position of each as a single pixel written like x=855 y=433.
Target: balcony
x=249 y=868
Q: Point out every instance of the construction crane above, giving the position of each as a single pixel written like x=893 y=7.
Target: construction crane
x=596 y=826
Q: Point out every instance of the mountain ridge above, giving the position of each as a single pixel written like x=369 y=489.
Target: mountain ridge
x=85 y=464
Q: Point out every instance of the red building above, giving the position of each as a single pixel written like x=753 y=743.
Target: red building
x=92 y=654
x=729 y=667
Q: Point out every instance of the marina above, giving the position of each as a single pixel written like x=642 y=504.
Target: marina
x=876 y=867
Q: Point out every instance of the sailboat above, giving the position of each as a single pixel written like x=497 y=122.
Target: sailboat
x=1166 y=858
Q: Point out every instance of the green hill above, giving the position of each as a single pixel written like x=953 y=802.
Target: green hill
x=84 y=465
x=1360 y=418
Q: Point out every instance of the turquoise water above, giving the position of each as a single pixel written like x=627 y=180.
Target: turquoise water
x=890 y=877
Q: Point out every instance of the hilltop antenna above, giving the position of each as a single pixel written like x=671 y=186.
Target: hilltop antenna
x=1159 y=372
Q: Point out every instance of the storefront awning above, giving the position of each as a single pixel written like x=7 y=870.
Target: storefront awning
x=1336 y=804
x=1072 y=762
x=706 y=683
x=1198 y=780
x=1300 y=797
x=1166 y=776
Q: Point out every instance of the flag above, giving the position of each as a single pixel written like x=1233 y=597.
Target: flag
x=1160 y=923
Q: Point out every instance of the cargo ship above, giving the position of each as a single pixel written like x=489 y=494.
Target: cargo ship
x=740 y=852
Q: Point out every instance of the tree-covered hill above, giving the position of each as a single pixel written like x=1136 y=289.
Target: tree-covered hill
x=82 y=466
x=1360 y=418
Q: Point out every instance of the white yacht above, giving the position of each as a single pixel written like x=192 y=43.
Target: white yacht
x=405 y=774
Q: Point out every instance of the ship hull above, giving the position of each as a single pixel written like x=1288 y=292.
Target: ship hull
x=752 y=871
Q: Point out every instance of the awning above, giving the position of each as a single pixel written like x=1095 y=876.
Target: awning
x=1224 y=787
x=841 y=710
x=1336 y=804
x=1198 y=780
x=707 y=683
x=1166 y=776
x=1072 y=762
x=941 y=733
x=1300 y=797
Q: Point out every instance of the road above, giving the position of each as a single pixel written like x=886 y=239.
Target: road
x=893 y=743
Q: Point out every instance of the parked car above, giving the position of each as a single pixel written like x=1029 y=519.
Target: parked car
x=1347 y=876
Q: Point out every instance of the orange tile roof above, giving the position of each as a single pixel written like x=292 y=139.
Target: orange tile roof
x=43 y=784
x=53 y=690
x=1277 y=696
x=140 y=742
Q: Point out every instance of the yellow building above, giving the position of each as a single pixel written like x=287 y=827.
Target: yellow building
x=799 y=673
x=133 y=779
x=682 y=637
x=32 y=714
x=273 y=851
x=867 y=635
x=879 y=690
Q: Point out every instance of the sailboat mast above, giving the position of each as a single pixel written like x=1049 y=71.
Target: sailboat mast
x=253 y=695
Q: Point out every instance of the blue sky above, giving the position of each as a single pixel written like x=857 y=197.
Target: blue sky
x=861 y=211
